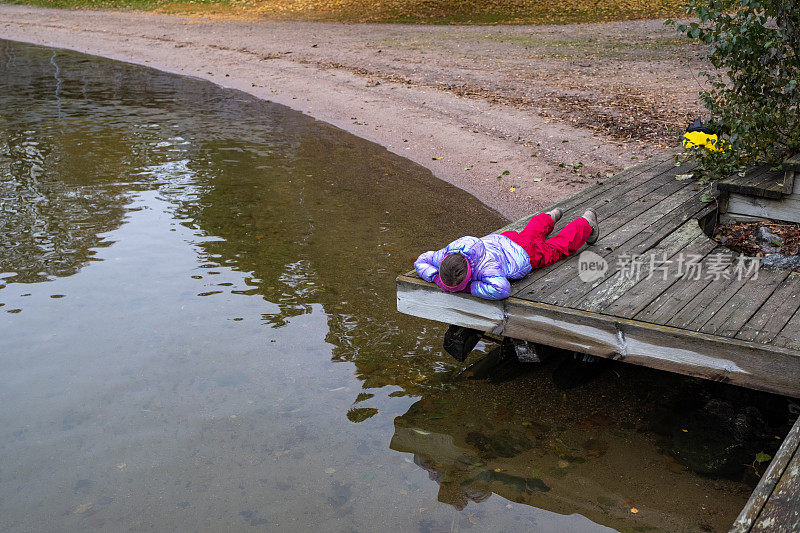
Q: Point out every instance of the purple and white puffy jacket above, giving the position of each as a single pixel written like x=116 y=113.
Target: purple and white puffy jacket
x=494 y=259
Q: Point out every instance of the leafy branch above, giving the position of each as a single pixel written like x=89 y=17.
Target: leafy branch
x=754 y=95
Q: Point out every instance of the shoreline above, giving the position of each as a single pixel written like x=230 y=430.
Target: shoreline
x=513 y=156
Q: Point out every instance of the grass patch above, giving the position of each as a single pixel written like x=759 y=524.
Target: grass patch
x=399 y=11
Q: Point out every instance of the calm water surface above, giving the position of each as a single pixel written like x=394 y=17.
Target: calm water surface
x=198 y=333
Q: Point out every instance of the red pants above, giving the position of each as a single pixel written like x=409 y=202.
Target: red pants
x=546 y=252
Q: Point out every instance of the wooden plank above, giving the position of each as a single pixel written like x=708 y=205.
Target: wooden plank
x=609 y=239
x=766 y=486
x=789 y=336
x=612 y=216
x=639 y=296
x=733 y=218
x=623 y=237
x=771 y=184
x=730 y=318
x=711 y=299
x=618 y=282
x=624 y=271
x=425 y=300
x=759 y=181
x=787 y=209
x=631 y=178
x=784 y=302
x=792 y=163
x=781 y=511
x=648 y=226
x=789 y=185
x=681 y=293
x=635 y=188
x=665 y=348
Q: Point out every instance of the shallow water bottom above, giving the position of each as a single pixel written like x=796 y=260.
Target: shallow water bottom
x=198 y=332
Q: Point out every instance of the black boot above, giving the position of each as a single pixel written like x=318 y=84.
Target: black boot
x=460 y=341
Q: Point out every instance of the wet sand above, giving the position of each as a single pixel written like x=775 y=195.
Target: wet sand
x=518 y=116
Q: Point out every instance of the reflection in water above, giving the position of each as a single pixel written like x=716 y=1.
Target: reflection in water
x=476 y=439
x=185 y=268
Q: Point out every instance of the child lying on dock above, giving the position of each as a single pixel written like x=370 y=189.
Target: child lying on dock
x=483 y=267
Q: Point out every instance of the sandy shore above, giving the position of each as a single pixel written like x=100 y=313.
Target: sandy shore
x=518 y=116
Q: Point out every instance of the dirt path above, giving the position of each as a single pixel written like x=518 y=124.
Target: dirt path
x=519 y=116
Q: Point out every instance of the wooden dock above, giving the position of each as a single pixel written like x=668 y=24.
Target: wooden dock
x=726 y=323
x=775 y=504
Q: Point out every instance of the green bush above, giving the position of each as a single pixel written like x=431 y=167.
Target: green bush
x=754 y=91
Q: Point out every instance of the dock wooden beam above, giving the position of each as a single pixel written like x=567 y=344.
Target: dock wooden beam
x=692 y=353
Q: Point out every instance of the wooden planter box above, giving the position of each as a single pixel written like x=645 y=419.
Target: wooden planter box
x=763 y=193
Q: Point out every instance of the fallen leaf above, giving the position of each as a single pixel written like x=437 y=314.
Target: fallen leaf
x=83 y=508
x=330 y=471
x=762 y=457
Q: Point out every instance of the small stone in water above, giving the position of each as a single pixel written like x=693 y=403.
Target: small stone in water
x=83 y=508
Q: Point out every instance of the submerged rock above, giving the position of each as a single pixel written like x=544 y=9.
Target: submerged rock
x=718 y=439
x=523 y=485
x=504 y=443
x=496 y=366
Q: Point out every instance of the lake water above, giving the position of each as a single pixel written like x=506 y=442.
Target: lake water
x=198 y=332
